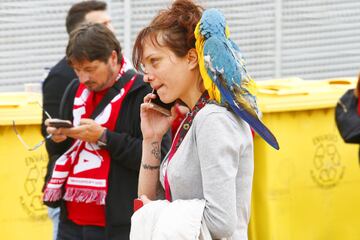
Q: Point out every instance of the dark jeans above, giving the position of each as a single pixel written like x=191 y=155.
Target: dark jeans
x=72 y=231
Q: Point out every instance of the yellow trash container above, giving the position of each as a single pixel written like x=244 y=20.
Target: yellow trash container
x=22 y=214
x=310 y=189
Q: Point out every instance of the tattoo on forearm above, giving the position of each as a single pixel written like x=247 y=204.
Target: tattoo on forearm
x=150 y=167
x=156 y=150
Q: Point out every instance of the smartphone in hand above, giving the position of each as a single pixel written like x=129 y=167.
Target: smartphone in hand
x=59 y=123
x=160 y=106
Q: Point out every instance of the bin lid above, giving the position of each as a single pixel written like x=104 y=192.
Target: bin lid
x=295 y=94
x=22 y=107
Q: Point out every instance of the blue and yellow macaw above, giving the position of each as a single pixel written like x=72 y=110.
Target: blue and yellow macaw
x=222 y=68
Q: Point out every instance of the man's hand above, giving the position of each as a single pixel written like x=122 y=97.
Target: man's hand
x=88 y=131
x=57 y=135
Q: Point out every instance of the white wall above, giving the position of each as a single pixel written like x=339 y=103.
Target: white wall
x=312 y=39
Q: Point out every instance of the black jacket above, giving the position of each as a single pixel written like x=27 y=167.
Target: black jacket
x=125 y=148
x=53 y=89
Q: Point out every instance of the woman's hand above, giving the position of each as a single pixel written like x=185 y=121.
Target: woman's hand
x=153 y=123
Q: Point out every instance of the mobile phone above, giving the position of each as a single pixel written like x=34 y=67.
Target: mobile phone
x=59 y=123
x=160 y=106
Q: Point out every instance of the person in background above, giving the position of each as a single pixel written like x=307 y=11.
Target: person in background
x=59 y=78
x=96 y=178
x=347 y=116
x=211 y=156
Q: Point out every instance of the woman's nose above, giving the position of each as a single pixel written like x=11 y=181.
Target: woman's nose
x=148 y=78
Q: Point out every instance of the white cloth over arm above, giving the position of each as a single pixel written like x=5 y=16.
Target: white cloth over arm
x=161 y=220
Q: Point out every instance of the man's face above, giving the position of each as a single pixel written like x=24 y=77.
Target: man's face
x=96 y=75
x=99 y=17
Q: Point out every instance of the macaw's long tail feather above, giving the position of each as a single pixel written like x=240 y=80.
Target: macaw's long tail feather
x=249 y=117
x=242 y=102
x=257 y=125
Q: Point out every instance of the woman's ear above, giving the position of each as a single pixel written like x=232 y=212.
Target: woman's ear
x=192 y=59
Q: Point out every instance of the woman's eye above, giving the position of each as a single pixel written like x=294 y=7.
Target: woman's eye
x=154 y=61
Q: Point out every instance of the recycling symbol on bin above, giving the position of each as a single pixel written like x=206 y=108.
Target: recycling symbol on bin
x=327 y=170
x=31 y=200
x=31 y=187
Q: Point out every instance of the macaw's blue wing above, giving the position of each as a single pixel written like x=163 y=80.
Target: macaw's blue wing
x=224 y=67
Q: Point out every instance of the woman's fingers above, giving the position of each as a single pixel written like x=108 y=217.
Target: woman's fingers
x=145 y=106
x=149 y=97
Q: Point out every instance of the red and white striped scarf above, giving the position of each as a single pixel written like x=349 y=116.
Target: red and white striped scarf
x=85 y=166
